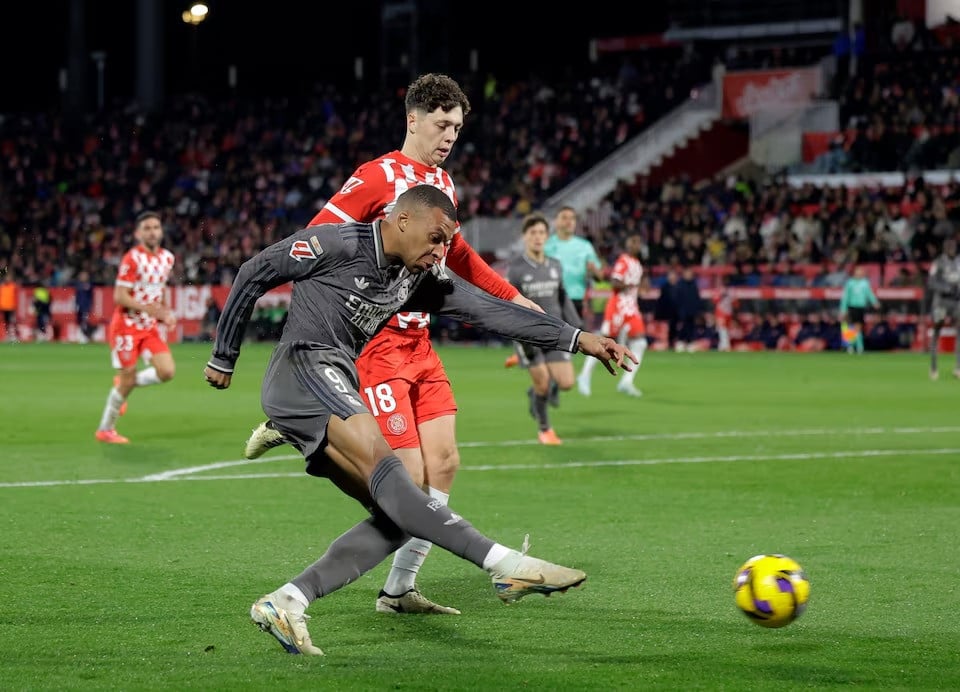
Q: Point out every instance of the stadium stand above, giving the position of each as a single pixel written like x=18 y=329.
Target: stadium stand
x=232 y=177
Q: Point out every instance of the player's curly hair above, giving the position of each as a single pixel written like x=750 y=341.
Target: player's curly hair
x=431 y=91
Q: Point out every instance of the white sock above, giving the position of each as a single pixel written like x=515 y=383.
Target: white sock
x=589 y=363
x=293 y=592
x=638 y=346
x=497 y=553
x=147 y=376
x=409 y=558
x=111 y=411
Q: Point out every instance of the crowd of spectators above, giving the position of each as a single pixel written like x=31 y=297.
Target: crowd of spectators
x=233 y=177
x=745 y=223
x=900 y=107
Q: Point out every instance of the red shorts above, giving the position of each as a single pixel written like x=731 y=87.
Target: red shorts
x=404 y=384
x=127 y=344
x=615 y=321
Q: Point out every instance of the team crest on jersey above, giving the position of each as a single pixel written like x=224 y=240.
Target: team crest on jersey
x=397 y=424
x=403 y=291
x=302 y=249
x=553 y=273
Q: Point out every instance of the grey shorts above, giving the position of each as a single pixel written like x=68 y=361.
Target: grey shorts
x=304 y=385
x=942 y=308
x=533 y=355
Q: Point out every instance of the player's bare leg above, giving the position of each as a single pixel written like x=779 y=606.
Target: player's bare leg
x=432 y=466
x=160 y=369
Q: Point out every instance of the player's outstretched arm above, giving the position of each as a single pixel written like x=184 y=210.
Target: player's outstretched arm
x=470 y=266
x=469 y=304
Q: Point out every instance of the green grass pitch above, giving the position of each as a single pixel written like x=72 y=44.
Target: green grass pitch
x=134 y=567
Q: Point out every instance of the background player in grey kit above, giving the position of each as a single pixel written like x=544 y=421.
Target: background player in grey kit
x=944 y=286
x=349 y=279
x=540 y=278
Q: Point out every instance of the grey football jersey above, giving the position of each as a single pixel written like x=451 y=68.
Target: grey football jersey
x=542 y=282
x=345 y=290
x=945 y=276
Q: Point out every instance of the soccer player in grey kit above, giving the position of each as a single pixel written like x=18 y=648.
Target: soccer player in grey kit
x=540 y=278
x=349 y=279
x=944 y=286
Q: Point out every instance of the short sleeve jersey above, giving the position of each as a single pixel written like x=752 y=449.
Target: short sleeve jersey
x=947 y=269
x=538 y=281
x=147 y=274
x=628 y=270
x=371 y=193
x=573 y=253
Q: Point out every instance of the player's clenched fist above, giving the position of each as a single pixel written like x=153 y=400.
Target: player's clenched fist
x=215 y=378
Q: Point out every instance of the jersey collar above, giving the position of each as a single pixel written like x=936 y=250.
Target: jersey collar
x=382 y=261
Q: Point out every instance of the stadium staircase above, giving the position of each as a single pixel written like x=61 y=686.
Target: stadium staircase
x=716 y=147
x=691 y=140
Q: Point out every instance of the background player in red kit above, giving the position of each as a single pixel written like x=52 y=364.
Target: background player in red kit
x=133 y=332
x=401 y=377
x=723 y=309
x=621 y=318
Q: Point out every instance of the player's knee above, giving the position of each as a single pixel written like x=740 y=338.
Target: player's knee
x=442 y=465
x=413 y=463
x=128 y=378
x=165 y=373
x=565 y=381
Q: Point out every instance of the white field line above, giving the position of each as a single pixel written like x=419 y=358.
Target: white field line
x=188 y=473
x=607 y=438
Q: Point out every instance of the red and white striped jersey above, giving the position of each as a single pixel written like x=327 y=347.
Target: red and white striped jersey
x=628 y=270
x=147 y=274
x=371 y=193
x=724 y=305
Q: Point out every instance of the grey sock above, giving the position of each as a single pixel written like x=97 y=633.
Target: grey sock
x=934 y=346
x=354 y=553
x=540 y=411
x=423 y=516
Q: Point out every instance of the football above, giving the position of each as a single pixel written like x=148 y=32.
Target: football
x=772 y=590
